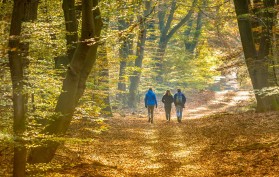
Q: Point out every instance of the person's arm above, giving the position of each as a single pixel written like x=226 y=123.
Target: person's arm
x=163 y=99
x=174 y=98
x=184 y=99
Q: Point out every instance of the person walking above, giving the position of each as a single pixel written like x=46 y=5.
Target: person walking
x=179 y=102
x=150 y=102
x=167 y=99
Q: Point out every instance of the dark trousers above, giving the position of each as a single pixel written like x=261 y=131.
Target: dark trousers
x=168 y=112
x=150 y=113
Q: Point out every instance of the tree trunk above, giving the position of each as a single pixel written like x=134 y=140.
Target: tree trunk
x=275 y=54
x=135 y=79
x=77 y=73
x=256 y=55
x=19 y=97
x=187 y=33
x=101 y=91
x=102 y=96
x=31 y=10
x=162 y=46
x=71 y=27
x=124 y=52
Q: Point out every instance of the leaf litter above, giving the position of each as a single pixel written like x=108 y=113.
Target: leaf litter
x=207 y=143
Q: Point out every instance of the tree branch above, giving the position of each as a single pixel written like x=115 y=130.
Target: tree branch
x=170 y=17
x=182 y=22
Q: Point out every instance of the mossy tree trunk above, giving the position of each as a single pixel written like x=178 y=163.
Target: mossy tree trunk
x=74 y=83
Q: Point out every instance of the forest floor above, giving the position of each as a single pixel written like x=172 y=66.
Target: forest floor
x=219 y=136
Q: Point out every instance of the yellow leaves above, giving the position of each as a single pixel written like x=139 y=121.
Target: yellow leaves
x=275 y=30
x=258 y=29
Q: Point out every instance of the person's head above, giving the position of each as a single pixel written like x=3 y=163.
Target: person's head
x=178 y=90
x=168 y=92
x=150 y=89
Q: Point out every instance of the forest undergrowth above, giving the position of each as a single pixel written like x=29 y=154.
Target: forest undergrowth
x=206 y=143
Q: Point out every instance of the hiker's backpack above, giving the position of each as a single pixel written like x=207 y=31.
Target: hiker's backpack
x=178 y=99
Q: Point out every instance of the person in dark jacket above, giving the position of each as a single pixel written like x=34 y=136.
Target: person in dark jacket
x=150 y=102
x=167 y=100
x=179 y=102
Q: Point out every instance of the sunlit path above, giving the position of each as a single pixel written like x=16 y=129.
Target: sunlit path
x=201 y=146
x=224 y=101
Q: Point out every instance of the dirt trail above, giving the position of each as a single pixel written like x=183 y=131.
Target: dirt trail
x=224 y=101
x=197 y=147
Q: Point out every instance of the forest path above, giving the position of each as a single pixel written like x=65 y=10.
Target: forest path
x=223 y=102
x=197 y=147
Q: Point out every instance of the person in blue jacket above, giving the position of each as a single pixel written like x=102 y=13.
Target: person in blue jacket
x=150 y=102
x=179 y=102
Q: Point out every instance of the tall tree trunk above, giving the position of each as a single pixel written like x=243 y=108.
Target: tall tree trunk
x=101 y=95
x=161 y=50
x=124 y=52
x=31 y=10
x=71 y=27
x=16 y=69
x=135 y=79
x=187 y=33
x=256 y=47
x=275 y=53
x=74 y=82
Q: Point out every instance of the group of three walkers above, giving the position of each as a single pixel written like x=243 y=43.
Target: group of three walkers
x=178 y=99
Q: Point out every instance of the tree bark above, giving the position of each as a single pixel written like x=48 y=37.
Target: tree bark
x=31 y=10
x=275 y=53
x=187 y=33
x=71 y=27
x=256 y=47
x=19 y=97
x=74 y=82
x=101 y=94
x=135 y=78
x=124 y=52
